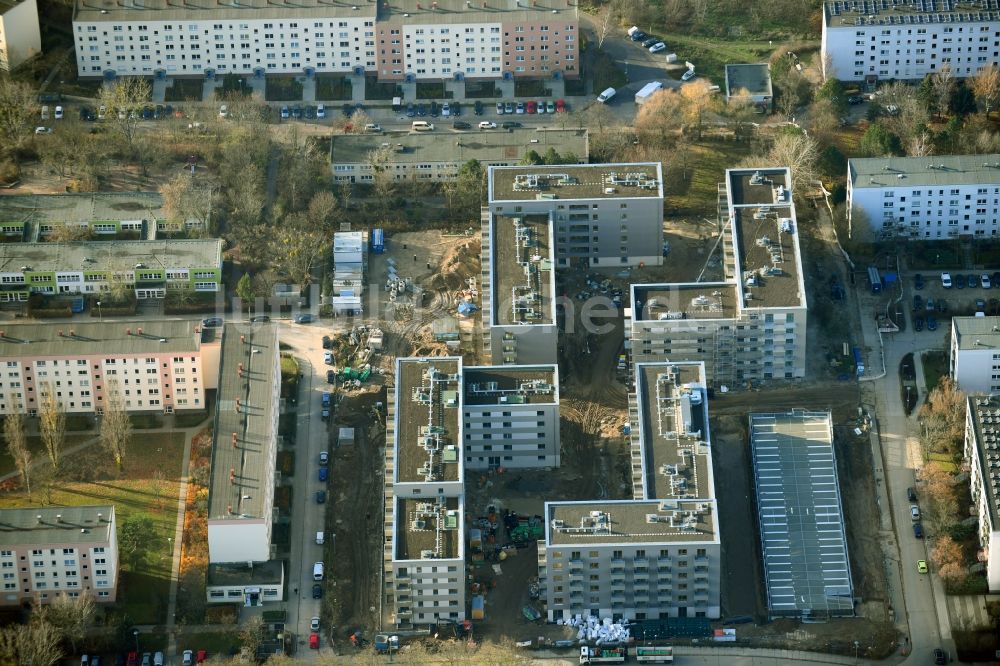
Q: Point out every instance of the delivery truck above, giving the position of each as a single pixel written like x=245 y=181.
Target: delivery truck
x=603 y=654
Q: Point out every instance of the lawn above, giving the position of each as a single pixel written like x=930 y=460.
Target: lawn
x=333 y=88
x=37 y=450
x=935 y=367
x=215 y=642
x=283 y=89
x=185 y=90
x=711 y=54
x=147 y=487
x=696 y=193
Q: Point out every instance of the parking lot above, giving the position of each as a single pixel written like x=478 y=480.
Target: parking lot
x=930 y=300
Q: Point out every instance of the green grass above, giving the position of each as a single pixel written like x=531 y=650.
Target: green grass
x=185 y=90
x=430 y=90
x=189 y=419
x=38 y=450
x=711 y=54
x=696 y=194
x=282 y=89
x=606 y=73
x=148 y=486
x=145 y=421
x=333 y=88
x=215 y=642
x=935 y=367
x=385 y=90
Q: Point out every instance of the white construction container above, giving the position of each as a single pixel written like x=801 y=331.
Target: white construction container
x=648 y=91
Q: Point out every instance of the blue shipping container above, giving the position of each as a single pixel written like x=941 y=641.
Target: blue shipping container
x=378 y=241
x=859 y=364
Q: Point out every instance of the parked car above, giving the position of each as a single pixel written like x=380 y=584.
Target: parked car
x=930 y=305
x=649 y=41
x=132 y=659
x=500 y=108
x=331 y=377
x=980 y=305
x=561 y=106
x=297 y=112
x=456 y=110
x=201 y=656
x=931 y=323
x=102 y=112
x=224 y=111
x=984 y=281
x=914 y=512
x=212 y=322
x=485 y=124
x=157 y=659
x=446 y=110
x=510 y=125
x=530 y=107
x=348 y=110
x=324 y=457
x=260 y=319
x=922 y=566
x=959 y=281
x=314 y=641
x=461 y=125
x=327 y=342
x=972 y=281
x=320 y=497
x=435 y=110
x=314 y=623
x=940 y=656
x=328 y=357
x=317 y=591
x=59 y=113
x=373 y=128
x=477 y=108
x=918 y=281
x=321 y=111
x=550 y=107
x=660 y=46
x=508 y=107
x=918 y=324
x=324 y=473
x=43 y=130
x=421 y=110
x=520 y=108
x=411 y=110
x=946 y=280
x=911 y=495
x=310 y=112
x=285 y=112
x=918 y=530
x=187 y=659
x=638 y=36
x=918 y=303
x=147 y=659
x=855 y=99
x=305 y=319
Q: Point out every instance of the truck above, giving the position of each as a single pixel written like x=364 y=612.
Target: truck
x=378 y=241
x=859 y=364
x=874 y=280
x=647 y=91
x=654 y=654
x=603 y=654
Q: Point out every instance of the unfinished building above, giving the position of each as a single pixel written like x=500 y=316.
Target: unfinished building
x=659 y=554
x=750 y=326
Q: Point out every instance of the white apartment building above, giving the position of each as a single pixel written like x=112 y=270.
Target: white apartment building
x=20 y=36
x=879 y=40
x=924 y=198
x=245 y=448
x=982 y=452
x=424 y=553
x=752 y=325
x=161 y=366
x=511 y=416
x=49 y=551
x=658 y=555
x=974 y=354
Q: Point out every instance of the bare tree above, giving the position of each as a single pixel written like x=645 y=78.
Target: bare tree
x=660 y=117
x=52 y=424
x=948 y=558
x=298 y=249
x=69 y=233
x=740 y=109
x=251 y=635
x=323 y=210
x=70 y=617
x=699 y=99
x=123 y=100
x=17 y=445
x=34 y=644
x=986 y=87
x=379 y=160
x=796 y=151
x=921 y=145
x=358 y=121
x=610 y=17
x=943 y=85
x=116 y=427
x=18 y=108
x=184 y=199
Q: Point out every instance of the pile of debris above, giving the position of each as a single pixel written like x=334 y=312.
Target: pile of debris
x=599 y=631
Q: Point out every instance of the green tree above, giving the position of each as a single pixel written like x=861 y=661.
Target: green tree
x=531 y=158
x=833 y=90
x=831 y=162
x=879 y=142
x=552 y=157
x=133 y=534
x=244 y=288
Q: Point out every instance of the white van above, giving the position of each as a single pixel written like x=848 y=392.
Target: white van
x=606 y=95
x=320 y=538
x=421 y=126
x=318 y=571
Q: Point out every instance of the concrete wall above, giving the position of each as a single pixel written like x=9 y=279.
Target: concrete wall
x=20 y=36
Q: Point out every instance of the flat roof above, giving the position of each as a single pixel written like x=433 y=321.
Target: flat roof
x=523 y=282
x=91 y=337
x=36 y=525
x=935 y=170
x=432 y=528
x=80 y=208
x=250 y=460
x=976 y=332
x=511 y=385
x=853 y=13
x=460 y=11
x=261 y=573
x=765 y=232
x=985 y=411
x=8 y=4
x=223 y=10
x=484 y=146
x=673 y=431
x=120 y=256
x=696 y=300
x=578 y=181
x=754 y=77
x=800 y=512
x=428 y=434
x=605 y=522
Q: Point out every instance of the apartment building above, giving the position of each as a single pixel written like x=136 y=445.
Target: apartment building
x=123 y=215
x=49 y=551
x=150 y=268
x=659 y=554
x=437 y=40
x=20 y=36
x=444 y=39
x=982 y=453
x=602 y=214
x=511 y=416
x=518 y=288
x=244 y=451
x=752 y=325
x=974 y=354
x=161 y=366
x=924 y=198
x=423 y=156
x=880 y=40
x=424 y=552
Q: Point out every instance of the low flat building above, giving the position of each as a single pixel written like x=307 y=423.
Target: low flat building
x=427 y=156
x=518 y=287
x=150 y=268
x=658 y=555
x=974 y=354
x=159 y=366
x=752 y=80
x=424 y=552
x=752 y=325
x=49 y=551
x=982 y=453
x=806 y=567
x=602 y=214
x=246 y=584
x=20 y=35
x=245 y=446
x=511 y=416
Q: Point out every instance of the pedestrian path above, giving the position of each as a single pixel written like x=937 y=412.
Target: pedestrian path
x=968 y=612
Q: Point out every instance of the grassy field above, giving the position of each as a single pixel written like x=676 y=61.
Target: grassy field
x=37 y=450
x=710 y=54
x=706 y=164
x=935 y=367
x=148 y=487
x=215 y=642
x=185 y=90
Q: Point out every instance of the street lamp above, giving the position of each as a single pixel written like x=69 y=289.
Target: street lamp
x=135 y=633
x=100 y=314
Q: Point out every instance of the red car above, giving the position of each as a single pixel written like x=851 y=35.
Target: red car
x=314 y=641
x=133 y=659
x=200 y=656
x=532 y=107
x=560 y=106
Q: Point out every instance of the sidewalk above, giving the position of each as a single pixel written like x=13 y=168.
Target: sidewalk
x=175 y=565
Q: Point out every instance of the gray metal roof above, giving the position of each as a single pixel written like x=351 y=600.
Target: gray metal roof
x=976 y=332
x=56 y=525
x=92 y=337
x=985 y=411
x=801 y=518
x=120 y=256
x=90 y=207
x=935 y=170
x=754 y=77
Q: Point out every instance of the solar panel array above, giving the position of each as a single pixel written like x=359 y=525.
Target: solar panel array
x=988 y=414
x=803 y=542
x=917 y=11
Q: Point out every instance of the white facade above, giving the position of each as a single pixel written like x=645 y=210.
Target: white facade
x=138 y=43
x=982 y=453
x=974 y=354
x=436 y=52
x=925 y=198
x=20 y=36
x=863 y=43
